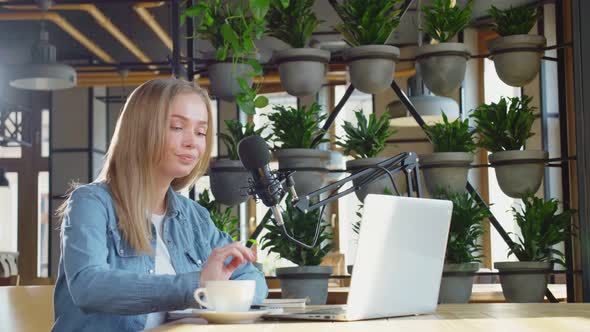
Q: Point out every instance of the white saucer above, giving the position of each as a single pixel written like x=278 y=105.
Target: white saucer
x=232 y=317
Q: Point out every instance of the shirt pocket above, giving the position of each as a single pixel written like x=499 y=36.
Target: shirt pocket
x=195 y=263
x=123 y=255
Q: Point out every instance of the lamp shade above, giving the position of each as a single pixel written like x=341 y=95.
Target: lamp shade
x=44 y=73
x=430 y=109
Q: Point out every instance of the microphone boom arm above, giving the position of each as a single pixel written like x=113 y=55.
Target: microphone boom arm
x=407 y=162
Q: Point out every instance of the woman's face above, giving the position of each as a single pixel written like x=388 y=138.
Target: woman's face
x=185 y=137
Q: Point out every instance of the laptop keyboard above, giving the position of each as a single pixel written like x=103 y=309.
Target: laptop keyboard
x=325 y=311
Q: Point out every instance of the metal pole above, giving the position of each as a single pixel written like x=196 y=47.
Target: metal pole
x=175 y=22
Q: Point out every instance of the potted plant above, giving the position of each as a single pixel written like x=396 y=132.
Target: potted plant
x=516 y=54
x=364 y=141
x=443 y=63
x=229 y=178
x=232 y=28
x=541 y=227
x=294 y=130
x=461 y=257
x=301 y=67
x=222 y=218
x=503 y=129
x=366 y=25
x=446 y=169
x=307 y=279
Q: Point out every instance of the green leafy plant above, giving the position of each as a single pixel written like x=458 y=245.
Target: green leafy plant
x=367 y=22
x=236 y=131
x=513 y=21
x=541 y=228
x=466 y=228
x=232 y=27
x=296 y=128
x=303 y=227
x=453 y=136
x=292 y=21
x=505 y=125
x=443 y=19
x=222 y=218
x=366 y=139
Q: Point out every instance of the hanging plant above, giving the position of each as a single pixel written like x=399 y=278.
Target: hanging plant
x=232 y=28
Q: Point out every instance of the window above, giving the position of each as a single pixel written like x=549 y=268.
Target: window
x=45 y=133
x=9 y=215
x=501 y=204
x=10 y=122
x=43 y=225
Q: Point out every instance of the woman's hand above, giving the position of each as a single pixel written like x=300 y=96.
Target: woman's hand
x=215 y=269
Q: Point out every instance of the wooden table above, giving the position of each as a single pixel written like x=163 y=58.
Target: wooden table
x=504 y=317
x=482 y=293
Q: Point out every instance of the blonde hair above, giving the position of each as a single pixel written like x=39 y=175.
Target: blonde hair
x=138 y=146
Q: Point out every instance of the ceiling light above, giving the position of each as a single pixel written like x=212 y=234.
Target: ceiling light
x=44 y=73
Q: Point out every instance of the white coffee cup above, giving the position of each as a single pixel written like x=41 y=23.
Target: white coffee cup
x=227 y=295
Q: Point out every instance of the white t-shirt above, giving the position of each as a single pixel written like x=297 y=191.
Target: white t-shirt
x=163 y=266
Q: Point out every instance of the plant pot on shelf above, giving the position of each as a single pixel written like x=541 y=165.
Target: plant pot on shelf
x=302 y=70
x=305 y=281
x=443 y=66
x=524 y=282
x=371 y=67
x=457 y=282
x=517 y=58
x=229 y=181
x=378 y=186
x=310 y=166
x=223 y=79
x=519 y=171
x=446 y=170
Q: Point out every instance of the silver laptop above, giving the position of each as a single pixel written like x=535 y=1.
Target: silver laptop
x=399 y=261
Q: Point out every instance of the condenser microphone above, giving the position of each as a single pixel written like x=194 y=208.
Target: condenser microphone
x=255 y=157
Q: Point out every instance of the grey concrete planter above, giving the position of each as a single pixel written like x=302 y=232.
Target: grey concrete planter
x=315 y=161
x=443 y=66
x=223 y=79
x=515 y=65
x=446 y=170
x=520 y=171
x=524 y=282
x=378 y=186
x=229 y=181
x=305 y=281
x=457 y=282
x=302 y=70
x=371 y=67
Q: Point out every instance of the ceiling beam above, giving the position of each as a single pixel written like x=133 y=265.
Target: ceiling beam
x=61 y=22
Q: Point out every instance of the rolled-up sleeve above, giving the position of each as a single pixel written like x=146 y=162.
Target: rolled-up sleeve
x=246 y=271
x=94 y=285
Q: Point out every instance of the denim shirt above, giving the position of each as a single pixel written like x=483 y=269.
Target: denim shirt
x=104 y=285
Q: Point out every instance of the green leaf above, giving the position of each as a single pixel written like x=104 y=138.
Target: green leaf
x=259 y=8
x=243 y=84
x=285 y=3
x=229 y=35
x=260 y=102
x=256 y=66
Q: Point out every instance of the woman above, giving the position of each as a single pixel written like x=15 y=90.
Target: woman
x=131 y=247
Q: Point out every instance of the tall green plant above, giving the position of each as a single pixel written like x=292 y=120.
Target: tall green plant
x=514 y=20
x=222 y=218
x=443 y=19
x=292 y=21
x=367 y=22
x=236 y=131
x=232 y=27
x=541 y=228
x=303 y=227
x=453 y=136
x=367 y=138
x=466 y=228
x=505 y=125
x=297 y=127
